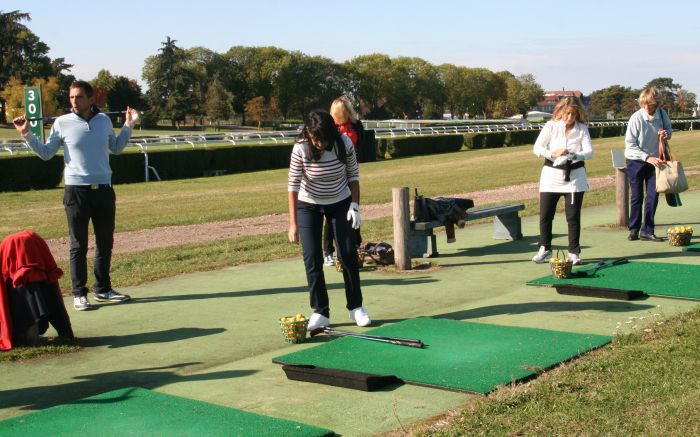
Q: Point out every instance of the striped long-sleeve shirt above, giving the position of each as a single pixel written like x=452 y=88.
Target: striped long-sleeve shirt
x=325 y=181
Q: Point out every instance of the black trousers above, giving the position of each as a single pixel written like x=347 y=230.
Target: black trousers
x=548 y=206
x=82 y=204
x=310 y=224
x=328 y=238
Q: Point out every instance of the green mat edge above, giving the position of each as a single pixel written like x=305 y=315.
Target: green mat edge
x=16 y=421
x=692 y=248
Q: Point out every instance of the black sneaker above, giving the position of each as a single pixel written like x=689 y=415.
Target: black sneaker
x=111 y=296
x=634 y=235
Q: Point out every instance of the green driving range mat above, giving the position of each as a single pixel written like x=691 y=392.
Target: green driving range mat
x=137 y=411
x=693 y=247
x=656 y=279
x=462 y=356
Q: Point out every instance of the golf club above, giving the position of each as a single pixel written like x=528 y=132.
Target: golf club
x=410 y=342
x=600 y=265
x=55 y=117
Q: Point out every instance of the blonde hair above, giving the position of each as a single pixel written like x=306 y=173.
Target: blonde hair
x=341 y=109
x=649 y=96
x=570 y=102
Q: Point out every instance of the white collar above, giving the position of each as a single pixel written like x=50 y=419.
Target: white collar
x=653 y=118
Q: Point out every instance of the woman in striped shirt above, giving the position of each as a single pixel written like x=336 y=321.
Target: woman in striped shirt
x=323 y=182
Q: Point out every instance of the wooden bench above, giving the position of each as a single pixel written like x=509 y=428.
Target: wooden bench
x=506 y=226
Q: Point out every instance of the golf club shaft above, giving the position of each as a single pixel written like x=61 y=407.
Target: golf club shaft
x=614 y=262
x=410 y=342
x=55 y=117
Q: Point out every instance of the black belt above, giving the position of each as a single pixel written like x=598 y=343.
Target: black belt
x=567 y=167
x=90 y=187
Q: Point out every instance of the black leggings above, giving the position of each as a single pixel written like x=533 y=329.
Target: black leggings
x=548 y=206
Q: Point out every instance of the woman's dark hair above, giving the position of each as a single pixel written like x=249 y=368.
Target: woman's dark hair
x=320 y=124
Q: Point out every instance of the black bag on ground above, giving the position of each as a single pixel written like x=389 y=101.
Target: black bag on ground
x=381 y=254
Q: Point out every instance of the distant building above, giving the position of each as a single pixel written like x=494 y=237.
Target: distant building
x=551 y=98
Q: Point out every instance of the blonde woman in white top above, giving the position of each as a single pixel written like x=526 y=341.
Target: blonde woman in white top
x=565 y=144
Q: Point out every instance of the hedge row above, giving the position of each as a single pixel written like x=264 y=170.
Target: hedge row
x=418 y=145
x=19 y=173
x=499 y=139
x=193 y=163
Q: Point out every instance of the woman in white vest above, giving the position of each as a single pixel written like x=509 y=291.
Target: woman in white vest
x=565 y=144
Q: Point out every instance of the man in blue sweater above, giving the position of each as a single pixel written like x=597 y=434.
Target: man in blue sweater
x=87 y=137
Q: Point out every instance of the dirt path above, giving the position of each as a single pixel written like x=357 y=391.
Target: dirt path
x=167 y=236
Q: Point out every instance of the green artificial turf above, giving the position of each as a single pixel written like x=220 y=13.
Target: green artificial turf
x=137 y=411
x=656 y=279
x=463 y=356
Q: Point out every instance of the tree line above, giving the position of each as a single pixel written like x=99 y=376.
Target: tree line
x=268 y=83
x=622 y=101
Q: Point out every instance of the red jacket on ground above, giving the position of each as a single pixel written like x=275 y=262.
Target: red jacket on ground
x=25 y=257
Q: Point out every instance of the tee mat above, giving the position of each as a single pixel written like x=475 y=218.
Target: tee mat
x=652 y=278
x=459 y=356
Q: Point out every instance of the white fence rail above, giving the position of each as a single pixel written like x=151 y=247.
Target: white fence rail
x=153 y=142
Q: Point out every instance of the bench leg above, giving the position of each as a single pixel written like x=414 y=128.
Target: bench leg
x=507 y=227
x=423 y=245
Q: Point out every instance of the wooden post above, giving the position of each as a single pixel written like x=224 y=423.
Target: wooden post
x=622 y=197
x=402 y=254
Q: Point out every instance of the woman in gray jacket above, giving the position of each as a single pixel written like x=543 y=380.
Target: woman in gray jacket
x=645 y=129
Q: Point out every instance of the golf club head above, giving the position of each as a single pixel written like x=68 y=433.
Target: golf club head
x=315 y=332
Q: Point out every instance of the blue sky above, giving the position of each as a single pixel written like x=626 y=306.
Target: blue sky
x=564 y=44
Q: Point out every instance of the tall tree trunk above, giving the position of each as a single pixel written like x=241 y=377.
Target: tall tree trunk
x=3 y=119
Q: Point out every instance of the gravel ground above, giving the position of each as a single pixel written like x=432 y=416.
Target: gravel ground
x=167 y=236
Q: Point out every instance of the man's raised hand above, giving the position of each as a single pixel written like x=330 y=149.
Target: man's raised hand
x=20 y=123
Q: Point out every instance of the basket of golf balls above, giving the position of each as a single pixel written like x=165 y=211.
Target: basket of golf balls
x=561 y=266
x=293 y=328
x=679 y=235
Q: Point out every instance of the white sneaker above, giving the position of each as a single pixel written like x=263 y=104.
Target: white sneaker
x=542 y=255
x=317 y=321
x=360 y=316
x=81 y=303
x=575 y=259
x=328 y=260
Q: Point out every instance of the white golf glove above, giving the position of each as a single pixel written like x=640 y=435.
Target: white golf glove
x=354 y=215
x=560 y=160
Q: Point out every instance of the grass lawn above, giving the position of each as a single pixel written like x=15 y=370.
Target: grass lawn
x=644 y=384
